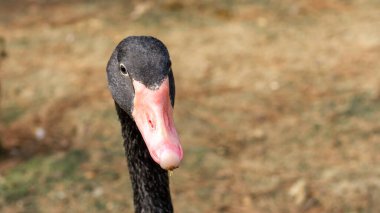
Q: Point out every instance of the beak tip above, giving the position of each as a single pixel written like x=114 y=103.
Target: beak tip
x=169 y=160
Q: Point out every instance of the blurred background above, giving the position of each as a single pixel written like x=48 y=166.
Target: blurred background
x=277 y=104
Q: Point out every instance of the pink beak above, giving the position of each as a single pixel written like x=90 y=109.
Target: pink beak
x=153 y=115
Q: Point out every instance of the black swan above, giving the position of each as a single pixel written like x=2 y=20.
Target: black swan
x=141 y=82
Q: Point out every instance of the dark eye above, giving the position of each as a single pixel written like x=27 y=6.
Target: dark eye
x=123 y=70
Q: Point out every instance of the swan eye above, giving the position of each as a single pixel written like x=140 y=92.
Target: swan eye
x=123 y=70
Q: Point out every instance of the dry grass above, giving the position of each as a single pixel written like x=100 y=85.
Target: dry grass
x=277 y=104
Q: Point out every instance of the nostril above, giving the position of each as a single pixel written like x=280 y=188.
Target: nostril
x=151 y=123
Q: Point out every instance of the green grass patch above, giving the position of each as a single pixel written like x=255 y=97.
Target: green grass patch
x=11 y=113
x=22 y=180
x=100 y=205
x=67 y=166
x=38 y=174
x=361 y=105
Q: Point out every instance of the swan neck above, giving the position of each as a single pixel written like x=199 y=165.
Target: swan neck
x=150 y=182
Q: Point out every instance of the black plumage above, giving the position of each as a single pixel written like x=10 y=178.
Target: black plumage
x=146 y=60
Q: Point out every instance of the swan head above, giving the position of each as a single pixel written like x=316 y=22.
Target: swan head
x=141 y=82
